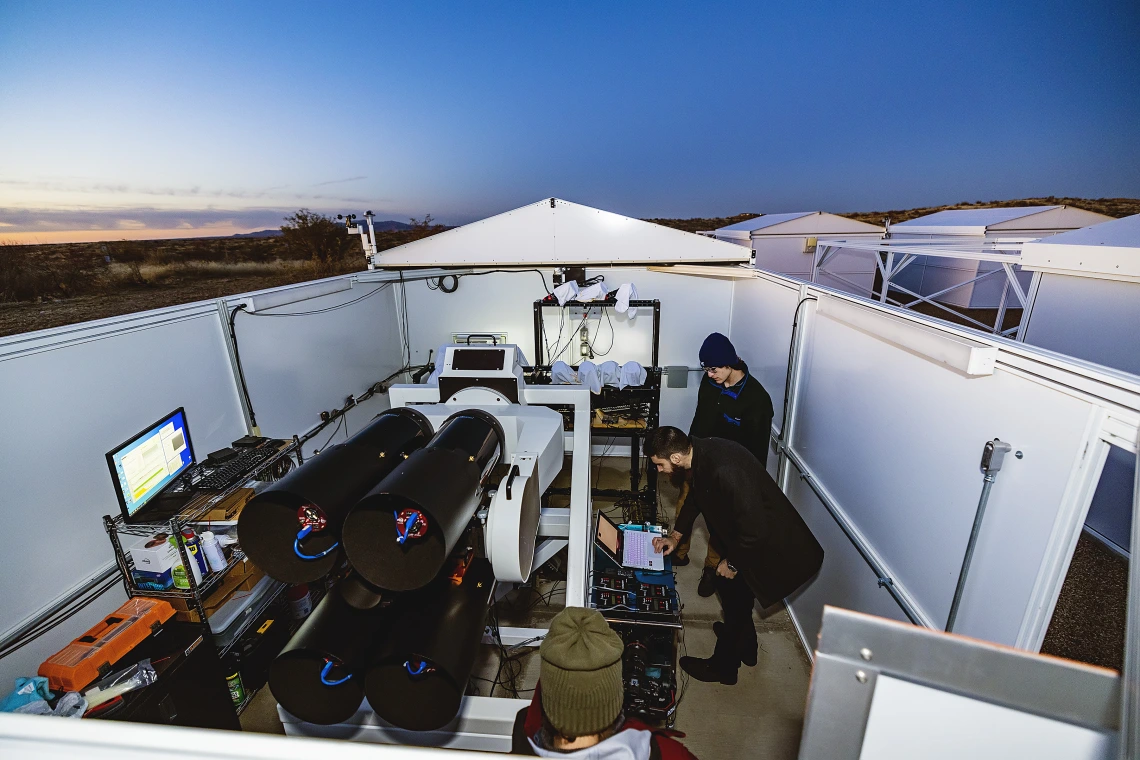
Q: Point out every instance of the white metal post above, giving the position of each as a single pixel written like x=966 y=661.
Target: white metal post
x=888 y=272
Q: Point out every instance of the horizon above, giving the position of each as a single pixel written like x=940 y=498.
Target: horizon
x=182 y=122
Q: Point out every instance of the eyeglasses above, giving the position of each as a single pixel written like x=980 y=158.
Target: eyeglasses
x=710 y=369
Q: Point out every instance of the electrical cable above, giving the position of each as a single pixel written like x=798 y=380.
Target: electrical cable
x=369 y=294
x=237 y=361
x=788 y=377
x=613 y=335
x=61 y=616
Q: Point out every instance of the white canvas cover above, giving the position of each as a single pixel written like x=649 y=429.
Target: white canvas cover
x=554 y=232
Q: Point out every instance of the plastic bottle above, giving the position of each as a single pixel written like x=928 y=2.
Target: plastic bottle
x=300 y=601
x=194 y=549
x=180 y=571
x=213 y=551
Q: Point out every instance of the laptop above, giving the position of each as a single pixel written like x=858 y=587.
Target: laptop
x=628 y=547
x=148 y=468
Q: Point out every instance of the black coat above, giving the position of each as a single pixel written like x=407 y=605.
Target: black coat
x=750 y=519
x=742 y=413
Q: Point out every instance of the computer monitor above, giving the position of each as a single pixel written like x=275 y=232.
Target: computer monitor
x=146 y=463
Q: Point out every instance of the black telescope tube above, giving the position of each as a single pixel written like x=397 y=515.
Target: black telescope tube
x=319 y=675
x=325 y=488
x=420 y=677
x=442 y=484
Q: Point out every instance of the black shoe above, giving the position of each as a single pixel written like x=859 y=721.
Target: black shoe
x=747 y=654
x=708 y=671
x=707 y=586
x=681 y=561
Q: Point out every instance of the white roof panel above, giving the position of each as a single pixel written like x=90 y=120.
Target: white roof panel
x=555 y=232
x=973 y=217
x=1106 y=251
x=746 y=226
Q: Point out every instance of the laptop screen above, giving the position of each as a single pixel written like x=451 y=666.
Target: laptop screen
x=608 y=534
x=145 y=464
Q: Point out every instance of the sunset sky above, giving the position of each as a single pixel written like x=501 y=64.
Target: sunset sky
x=143 y=120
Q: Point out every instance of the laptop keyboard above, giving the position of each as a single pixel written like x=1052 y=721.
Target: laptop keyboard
x=637 y=550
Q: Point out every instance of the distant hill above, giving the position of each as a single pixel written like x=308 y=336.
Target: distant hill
x=389 y=225
x=258 y=234
x=1114 y=207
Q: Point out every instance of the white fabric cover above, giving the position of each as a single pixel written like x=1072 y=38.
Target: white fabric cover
x=626 y=292
x=611 y=373
x=632 y=373
x=589 y=376
x=562 y=373
x=597 y=291
x=567 y=291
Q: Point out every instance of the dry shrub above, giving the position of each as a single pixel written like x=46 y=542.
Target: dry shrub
x=27 y=274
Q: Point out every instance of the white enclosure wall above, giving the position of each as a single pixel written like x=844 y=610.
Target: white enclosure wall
x=298 y=366
x=894 y=438
x=1095 y=319
x=73 y=393
x=70 y=395
x=847 y=270
x=503 y=303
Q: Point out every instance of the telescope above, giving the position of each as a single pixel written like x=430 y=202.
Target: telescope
x=291 y=530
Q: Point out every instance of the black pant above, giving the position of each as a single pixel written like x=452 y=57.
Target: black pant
x=739 y=634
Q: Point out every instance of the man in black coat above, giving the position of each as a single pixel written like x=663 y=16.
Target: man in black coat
x=768 y=550
x=731 y=404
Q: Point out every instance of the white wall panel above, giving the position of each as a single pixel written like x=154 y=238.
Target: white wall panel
x=298 y=366
x=897 y=440
x=761 y=330
x=68 y=397
x=691 y=308
x=845 y=580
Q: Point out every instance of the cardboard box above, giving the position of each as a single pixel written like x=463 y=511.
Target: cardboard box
x=145 y=581
x=240 y=573
x=229 y=508
x=154 y=555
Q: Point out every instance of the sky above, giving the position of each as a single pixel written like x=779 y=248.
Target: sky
x=149 y=120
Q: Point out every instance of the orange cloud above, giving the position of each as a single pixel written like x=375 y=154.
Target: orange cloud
x=97 y=236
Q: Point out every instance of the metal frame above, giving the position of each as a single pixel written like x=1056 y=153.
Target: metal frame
x=1006 y=253
x=856 y=649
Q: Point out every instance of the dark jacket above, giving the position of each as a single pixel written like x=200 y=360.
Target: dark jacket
x=742 y=413
x=757 y=528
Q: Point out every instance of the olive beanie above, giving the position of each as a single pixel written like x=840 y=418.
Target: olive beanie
x=581 y=673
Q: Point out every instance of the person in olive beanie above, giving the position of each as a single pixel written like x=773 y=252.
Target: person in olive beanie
x=577 y=706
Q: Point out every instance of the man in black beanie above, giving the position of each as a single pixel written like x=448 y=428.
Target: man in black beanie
x=577 y=707
x=731 y=404
x=769 y=551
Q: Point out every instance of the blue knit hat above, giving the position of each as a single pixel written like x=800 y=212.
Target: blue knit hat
x=718 y=351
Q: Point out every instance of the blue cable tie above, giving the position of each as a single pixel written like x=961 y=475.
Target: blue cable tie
x=325 y=675
x=422 y=667
x=297 y=545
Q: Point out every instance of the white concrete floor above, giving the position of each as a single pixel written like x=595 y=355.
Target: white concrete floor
x=761 y=716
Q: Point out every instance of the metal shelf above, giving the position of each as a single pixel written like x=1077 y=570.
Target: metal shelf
x=270 y=598
x=194 y=512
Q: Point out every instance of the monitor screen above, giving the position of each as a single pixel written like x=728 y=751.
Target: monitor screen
x=145 y=464
x=478 y=358
x=608 y=534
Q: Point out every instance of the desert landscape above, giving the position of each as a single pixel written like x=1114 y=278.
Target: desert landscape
x=45 y=286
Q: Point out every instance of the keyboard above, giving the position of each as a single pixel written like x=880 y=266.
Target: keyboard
x=637 y=550
x=221 y=476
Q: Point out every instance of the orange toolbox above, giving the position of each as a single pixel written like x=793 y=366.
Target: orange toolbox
x=90 y=656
